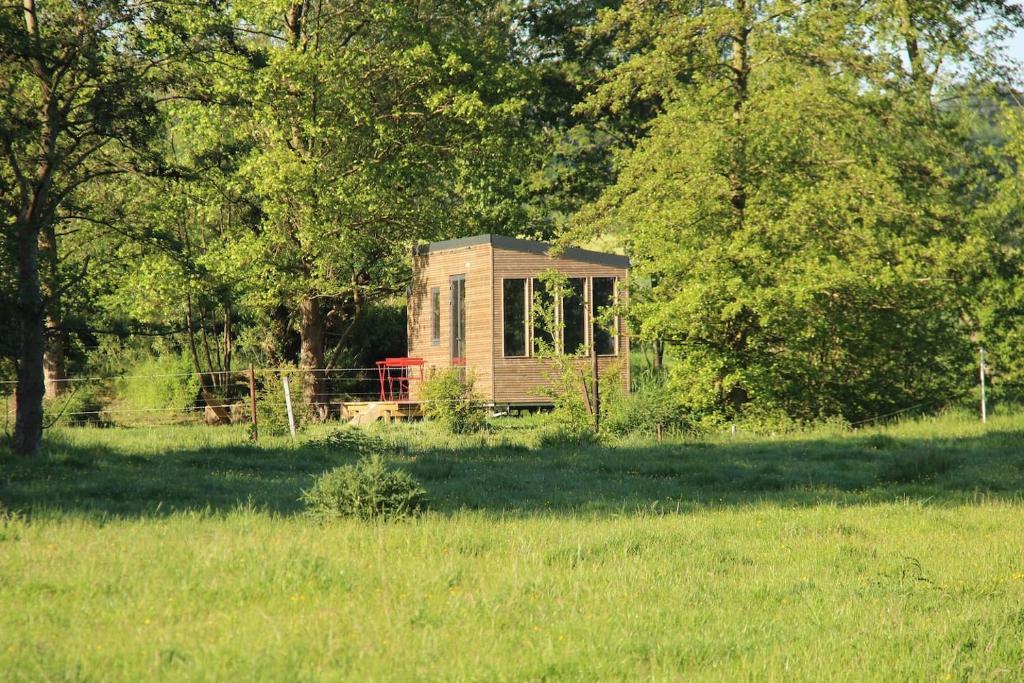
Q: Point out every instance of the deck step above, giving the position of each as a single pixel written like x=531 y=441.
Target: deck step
x=360 y=413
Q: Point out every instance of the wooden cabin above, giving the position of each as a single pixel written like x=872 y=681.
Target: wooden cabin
x=471 y=305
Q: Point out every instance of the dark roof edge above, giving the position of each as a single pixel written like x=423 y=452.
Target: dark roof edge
x=529 y=246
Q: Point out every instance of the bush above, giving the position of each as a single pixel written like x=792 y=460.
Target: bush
x=651 y=404
x=271 y=410
x=367 y=490
x=163 y=382
x=348 y=439
x=450 y=399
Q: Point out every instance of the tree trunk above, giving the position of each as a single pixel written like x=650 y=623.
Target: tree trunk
x=226 y=365
x=28 y=424
x=205 y=381
x=741 y=76
x=311 y=357
x=659 y=355
x=54 y=364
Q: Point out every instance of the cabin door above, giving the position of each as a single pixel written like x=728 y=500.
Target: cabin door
x=458 y=318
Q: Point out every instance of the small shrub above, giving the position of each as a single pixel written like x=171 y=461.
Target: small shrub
x=451 y=401
x=349 y=439
x=367 y=490
x=651 y=404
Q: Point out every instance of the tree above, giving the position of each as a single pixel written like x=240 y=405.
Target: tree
x=81 y=85
x=806 y=178
x=1000 y=304
x=572 y=159
x=374 y=125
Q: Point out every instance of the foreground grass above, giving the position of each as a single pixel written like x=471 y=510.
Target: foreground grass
x=178 y=554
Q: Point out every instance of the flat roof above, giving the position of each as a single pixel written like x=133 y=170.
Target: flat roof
x=528 y=246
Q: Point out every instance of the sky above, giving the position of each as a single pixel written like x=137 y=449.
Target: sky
x=1015 y=46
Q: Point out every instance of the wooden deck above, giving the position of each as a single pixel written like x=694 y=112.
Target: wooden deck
x=367 y=412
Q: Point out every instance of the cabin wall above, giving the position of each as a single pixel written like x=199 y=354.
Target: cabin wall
x=522 y=380
x=435 y=269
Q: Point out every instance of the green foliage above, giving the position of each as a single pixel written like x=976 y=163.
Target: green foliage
x=1001 y=285
x=348 y=440
x=651 y=405
x=702 y=537
x=449 y=399
x=786 y=237
x=569 y=382
x=380 y=332
x=559 y=432
x=272 y=411
x=83 y=404
x=161 y=383
x=368 y=489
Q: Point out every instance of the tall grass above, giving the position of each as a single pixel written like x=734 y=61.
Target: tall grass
x=180 y=554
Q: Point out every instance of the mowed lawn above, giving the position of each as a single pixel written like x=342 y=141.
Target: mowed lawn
x=182 y=554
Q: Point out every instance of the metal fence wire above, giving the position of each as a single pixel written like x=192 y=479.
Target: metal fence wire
x=217 y=397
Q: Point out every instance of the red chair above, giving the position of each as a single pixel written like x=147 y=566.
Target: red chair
x=395 y=375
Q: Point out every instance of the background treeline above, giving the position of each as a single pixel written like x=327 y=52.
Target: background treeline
x=822 y=200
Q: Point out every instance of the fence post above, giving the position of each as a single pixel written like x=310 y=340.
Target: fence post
x=981 y=373
x=288 y=404
x=252 y=399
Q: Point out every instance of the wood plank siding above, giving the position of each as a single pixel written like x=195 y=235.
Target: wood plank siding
x=485 y=262
x=436 y=269
x=522 y=380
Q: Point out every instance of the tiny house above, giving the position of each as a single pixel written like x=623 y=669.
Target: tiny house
x=471 y=305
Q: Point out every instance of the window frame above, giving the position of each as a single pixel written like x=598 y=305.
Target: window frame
x=584 y=307
x=531 y=324
x=457 y=325
x=527 y=339
x=435 y=316
x=613 y=330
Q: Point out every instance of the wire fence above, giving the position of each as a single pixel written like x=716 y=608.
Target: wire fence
x=215 y=397
x=232 y=396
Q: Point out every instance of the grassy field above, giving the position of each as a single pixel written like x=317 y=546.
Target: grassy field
x=182 y=554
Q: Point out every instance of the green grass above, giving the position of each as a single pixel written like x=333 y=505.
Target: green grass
x=182 y=554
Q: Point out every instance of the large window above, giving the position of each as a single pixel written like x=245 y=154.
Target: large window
x=605 y=337
x=543 y=317
x=574 y=317
x=513 y=296
x=435 y=316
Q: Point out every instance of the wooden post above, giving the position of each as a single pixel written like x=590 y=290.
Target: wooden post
x=288 y=405
x=252 y=399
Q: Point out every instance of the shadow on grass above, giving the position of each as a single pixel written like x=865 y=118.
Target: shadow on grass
x=101 y=480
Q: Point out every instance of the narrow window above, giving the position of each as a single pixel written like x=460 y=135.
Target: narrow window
x=542 y=318
x=514 y=316
x=605 y=337
x=435 y=316
x=457 y=301
x=574 y=317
